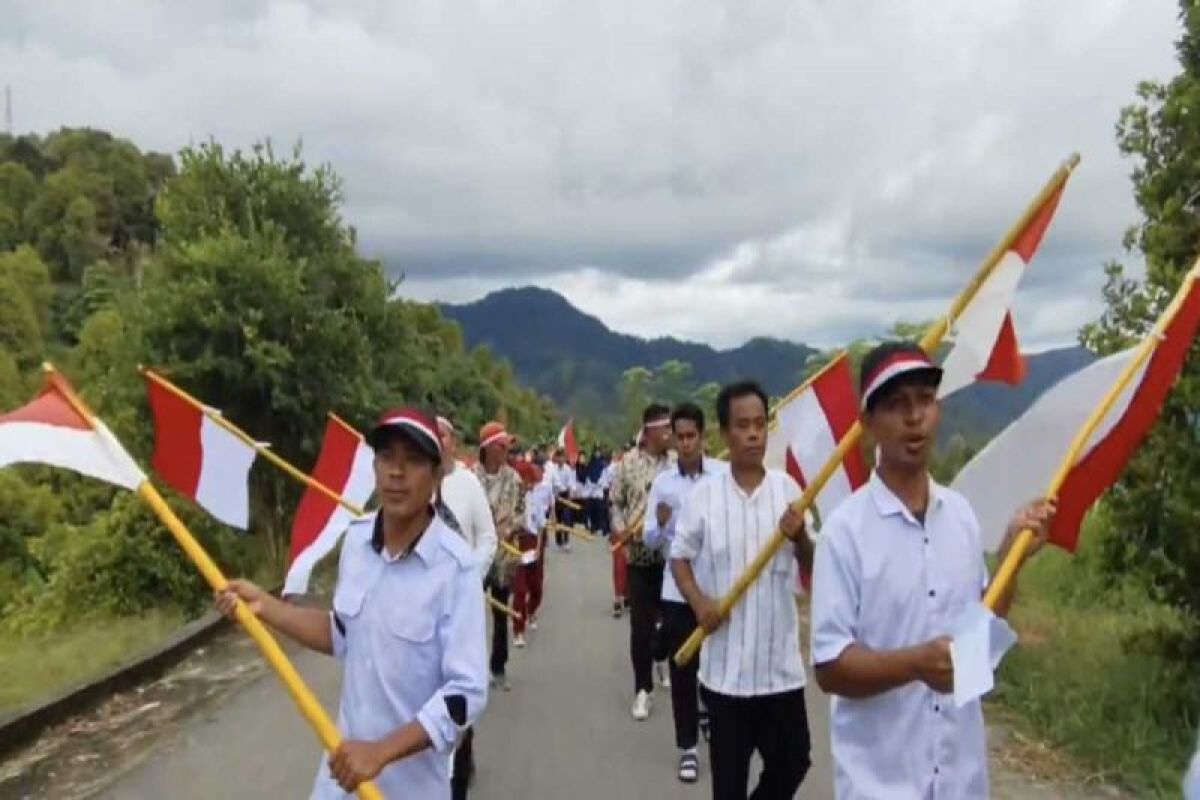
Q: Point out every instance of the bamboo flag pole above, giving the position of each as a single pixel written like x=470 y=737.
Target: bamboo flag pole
x=1016 y=554
x=265 y=452
x=508 y=548
x=305 y=701
x=571 y=504
x=496 y=604
x=929 y=343
x=574 y=530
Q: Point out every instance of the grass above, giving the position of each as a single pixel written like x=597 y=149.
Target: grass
x=1087 y=680
x=35 y=667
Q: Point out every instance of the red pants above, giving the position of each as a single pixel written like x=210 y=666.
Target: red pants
x=527 y=585
x=620 y=574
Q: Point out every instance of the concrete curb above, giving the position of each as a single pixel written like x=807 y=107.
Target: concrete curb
x=25 y=724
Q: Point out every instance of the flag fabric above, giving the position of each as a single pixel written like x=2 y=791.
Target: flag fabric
x=49 y=430
x=198 y=457
x=985 y=341
x=1020 y=462
x=812 y=424
x=345 y=466
x=566 y=440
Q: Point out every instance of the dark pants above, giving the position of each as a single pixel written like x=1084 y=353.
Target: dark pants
x=776 y=725
x=464 y=766
x=645 y=608
x=678 y=624
x=566 y=516
x=597 y=515
x=499 y=631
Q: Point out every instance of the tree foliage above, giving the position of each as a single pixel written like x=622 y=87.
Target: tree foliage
x=236 y=277
x=1153 y=507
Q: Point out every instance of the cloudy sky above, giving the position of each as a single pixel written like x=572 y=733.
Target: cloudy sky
x=812 y=169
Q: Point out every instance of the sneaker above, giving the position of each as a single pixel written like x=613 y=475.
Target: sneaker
x=500 y=681
x=618 y=609
x=533 y=623
x=519 y=641
x=689 y=766
x=641 y=706
x=663 y=674
x=567 y=547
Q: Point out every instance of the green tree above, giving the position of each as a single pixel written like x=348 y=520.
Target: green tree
x=1153 y=505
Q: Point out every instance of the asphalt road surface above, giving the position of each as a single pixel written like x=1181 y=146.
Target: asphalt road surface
x=564 y=731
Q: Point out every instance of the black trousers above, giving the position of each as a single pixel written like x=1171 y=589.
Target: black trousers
x=595 y=515
x=678 y=624
x=464 y=766
x=776 y=725
x=499 y=630
x=645 y=609
x=566 y=516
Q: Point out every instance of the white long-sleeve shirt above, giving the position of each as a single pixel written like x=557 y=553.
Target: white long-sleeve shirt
x=672 y=487
x=463 y=494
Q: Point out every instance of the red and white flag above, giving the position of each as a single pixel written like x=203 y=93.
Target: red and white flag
x=345 y=466
x=52 y=430
x=566 y=440
x=197 y=456
x=985 y=341
x=1018 y=465
x=813 y=423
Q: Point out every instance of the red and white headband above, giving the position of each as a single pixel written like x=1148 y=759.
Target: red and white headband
x=413 y=421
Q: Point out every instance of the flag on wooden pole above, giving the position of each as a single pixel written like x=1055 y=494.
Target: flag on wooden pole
x=985 y=341
x=344 y=465
x=1023 y=460
x=566 y=440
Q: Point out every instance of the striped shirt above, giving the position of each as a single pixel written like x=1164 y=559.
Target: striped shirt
x=720 y=531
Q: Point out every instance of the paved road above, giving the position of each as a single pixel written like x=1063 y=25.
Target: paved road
x=564 y=731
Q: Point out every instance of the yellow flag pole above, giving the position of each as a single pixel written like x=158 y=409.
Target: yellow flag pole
x=1016 y=554
x=305 y=700
x=508 y=548
x=496 y=604
x=574 y=530
x=265 y=452
x=929 y=343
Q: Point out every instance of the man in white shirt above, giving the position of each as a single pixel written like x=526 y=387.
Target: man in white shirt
x=561 y=477
x=668 y=494
x=407 y=624
x=898 y=563
x=462 y=492
x=751 y=671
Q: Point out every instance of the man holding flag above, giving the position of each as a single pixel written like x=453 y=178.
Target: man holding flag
x=407 y=622
x=897 y=565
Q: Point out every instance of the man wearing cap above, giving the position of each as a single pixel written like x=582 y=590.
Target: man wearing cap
x=502 y=485
x=631 y=487
x=462 y=492
x=898 y=563
x=751 y=671
x=407 y=623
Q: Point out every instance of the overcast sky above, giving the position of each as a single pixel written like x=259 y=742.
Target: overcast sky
x=811 y=169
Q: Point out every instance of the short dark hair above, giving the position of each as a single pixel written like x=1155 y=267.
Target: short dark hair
x=735 y=391
x=688 y=411
x=655 y=411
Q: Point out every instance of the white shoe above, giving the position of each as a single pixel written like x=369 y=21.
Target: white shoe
x=519 y=641
x=641 y=706
x=663 y=674
x=533 y=623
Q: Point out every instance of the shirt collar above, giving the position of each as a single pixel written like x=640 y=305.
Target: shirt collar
x=889 y=504
x=424 y=546
x=699 y=472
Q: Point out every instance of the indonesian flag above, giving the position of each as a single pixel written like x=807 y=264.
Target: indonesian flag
x=985 y=342
x=54 y=430
x=344 y=465
x=199 y=457
x=566 y=440
x=812 y=423
x=1018 y=465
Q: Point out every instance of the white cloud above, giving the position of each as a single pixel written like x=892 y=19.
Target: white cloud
x=812 y=169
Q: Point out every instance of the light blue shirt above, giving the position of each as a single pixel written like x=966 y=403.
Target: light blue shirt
x=410 y=632
x=883 y=580
x=672 y=487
